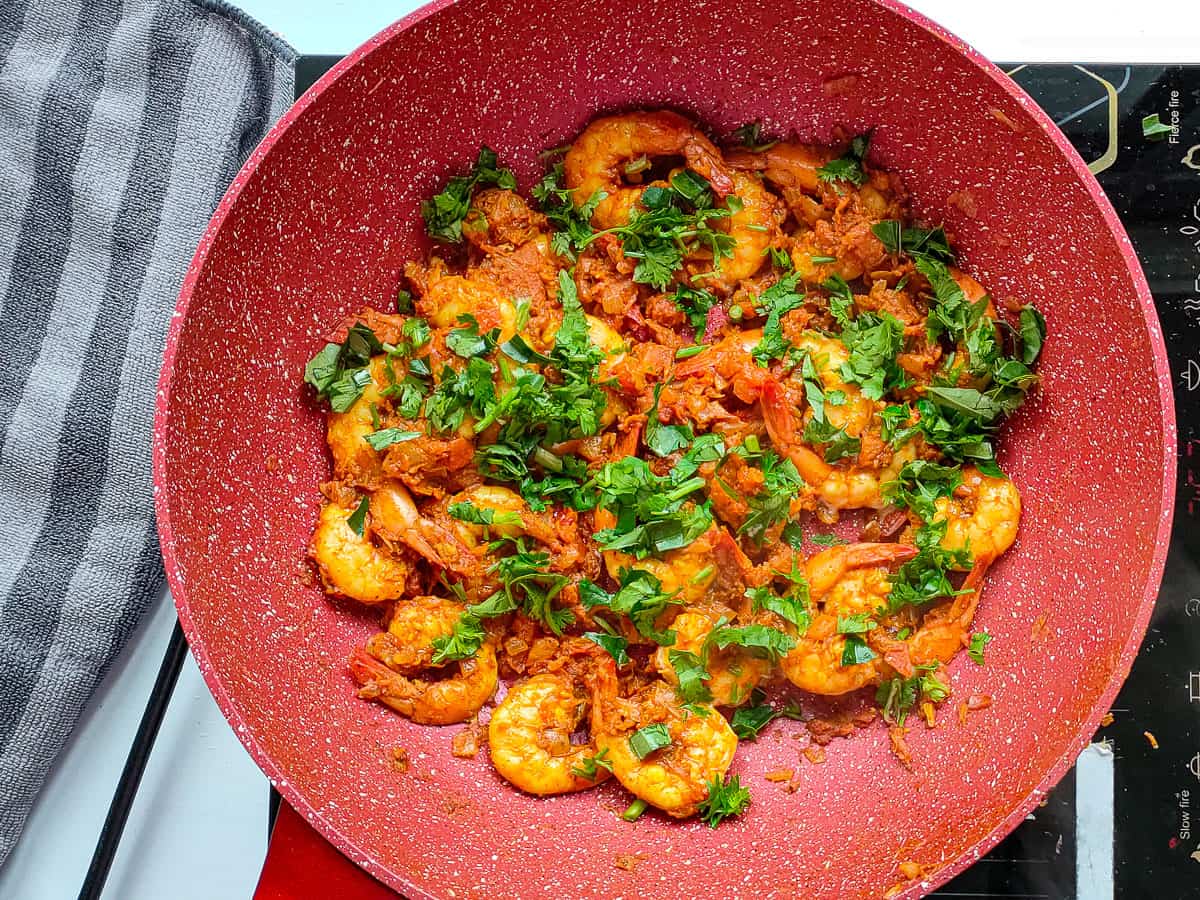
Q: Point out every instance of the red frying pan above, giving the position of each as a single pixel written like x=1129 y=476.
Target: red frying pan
x=322 y=218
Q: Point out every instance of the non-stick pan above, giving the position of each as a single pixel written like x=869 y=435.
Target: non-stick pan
x=321 y=220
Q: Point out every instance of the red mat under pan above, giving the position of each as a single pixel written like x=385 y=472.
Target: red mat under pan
x=322 y=218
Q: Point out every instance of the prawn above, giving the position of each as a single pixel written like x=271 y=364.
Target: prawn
x=350 y=564
x=598 y=157
x=845 y=581
x=754 y=227
x=835 y=486
x=529 y=737
x=674 y=778
x=353 y=458
x=981 y=516
x=447 y=298
x=944 y=631
x=426 y=695
x=395 y=519
x=733 y=672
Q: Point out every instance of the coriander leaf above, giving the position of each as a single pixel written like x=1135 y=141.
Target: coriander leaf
x=918 y=242
x=640 y=598
x=663 y=440
x=528 y=584
x=589 y=767
x=979 y=641
x=848 y=167
x=750 y=136
x=1033 y=334
x=841 y=299
x=919 y=484
x=968 y=401
x=777 y=300
x=874 y=341
x=357 y=520
x=695 y=304
x=793 y=535
x=647 y=740
x=838 y=442
x=856 y=624
x=759 y=640
x=462 y=643
x=444 y=212
x=340 y=372
x=466 y=341
x=467 y=511
x=855 y=651
x=691 y=674
x=516 y=348
x=571 y=222
x=748 y=721
x=725 y=800
x=613 y=644
x=385 y=437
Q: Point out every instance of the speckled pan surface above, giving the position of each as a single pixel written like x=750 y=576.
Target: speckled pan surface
x=322 y=219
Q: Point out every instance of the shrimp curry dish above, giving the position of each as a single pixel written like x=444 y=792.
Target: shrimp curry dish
x=598 y=467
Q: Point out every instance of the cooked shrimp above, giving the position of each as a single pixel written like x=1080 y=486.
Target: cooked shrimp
x=395 y=518
x=838 y=487
x=353 y=458
x=946 y=629
x=981 y=517
x=791 y=167
x=755 y=228
x=733 y=672
x=407 y=645
x=529 y=737
x=429 y=700
x=597 y=159
x=857 y=411
x=448 y=297
x=350 y=564
x=844 y=581
x=675 y=779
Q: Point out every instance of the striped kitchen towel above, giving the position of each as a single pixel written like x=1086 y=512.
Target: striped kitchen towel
x=121 y=123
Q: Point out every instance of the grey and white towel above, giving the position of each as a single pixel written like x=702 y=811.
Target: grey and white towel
x=121 y=123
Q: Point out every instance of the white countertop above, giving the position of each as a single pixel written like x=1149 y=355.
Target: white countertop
x=198 y=829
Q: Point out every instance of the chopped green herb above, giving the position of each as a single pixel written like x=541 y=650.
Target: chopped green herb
x=919 y=485
x=1153 y=129
x=691 y=675
x=1033 y=334
x=467 y=511
x=357 y=520
x=749 y=720
x=856 y=624
x=750 y=136
x=649 y=739
x=385 y=437
x=466 y=341
x=339 y=372
x=589 y=767
x=571 y=223
x=841 y=299
x=848 y=167
x=759 y=640
x=695 y=304
x=689 y=352
x=897 y=696
x=927 y=242
x=444 y=212
x=640 y=597
x=774 y=302
x=979 y=641
x=855 y=651
x=725 y=799
x=828 y=540
x=873 y=341
x=615 y=645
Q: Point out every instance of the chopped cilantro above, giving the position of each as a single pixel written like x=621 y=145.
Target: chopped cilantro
x=759 y=640
x=444 y=212
x=897 y=696
x=919 y=484
x=750 y=136
x=848 y=167
x=466 y=511
x=640 y=597
x=571 y=223
x=747 y=721
x=828 y=540
x=340 y=372
x=855 y=651
x=691 y=674
x=873 y=341
x=385 y=437
x=856 y=624
x=589 y=767
x=613 y=644
x=695 y=304
x=841 y=299
x=774 y=302
x=1033 y=334
x=725 y=799
x=649 y=739
x=357 y=520
x=927 y=242
x=466 y=341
